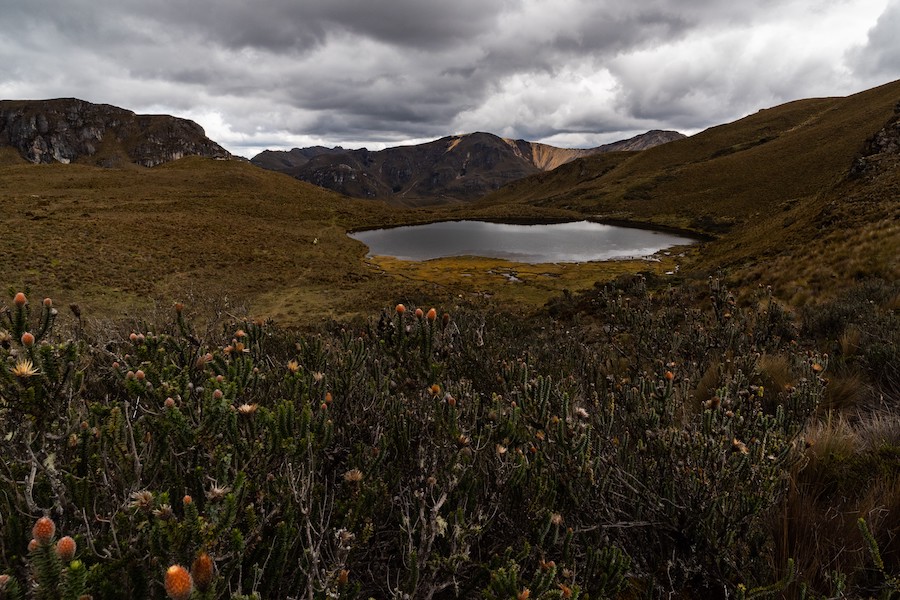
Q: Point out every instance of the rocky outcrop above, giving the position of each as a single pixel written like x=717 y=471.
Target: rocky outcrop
x=883 y=147
x=70 y=130
x=452 y=169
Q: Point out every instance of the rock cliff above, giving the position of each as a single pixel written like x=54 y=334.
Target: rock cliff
x=70 y=130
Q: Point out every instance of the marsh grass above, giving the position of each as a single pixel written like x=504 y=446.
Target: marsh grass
x=530 y=286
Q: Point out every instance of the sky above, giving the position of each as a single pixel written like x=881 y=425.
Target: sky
x=279 y=74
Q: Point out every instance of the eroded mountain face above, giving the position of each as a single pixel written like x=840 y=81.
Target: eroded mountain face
x=70 y=130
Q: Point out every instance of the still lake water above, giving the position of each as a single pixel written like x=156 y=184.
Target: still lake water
x=580 y=241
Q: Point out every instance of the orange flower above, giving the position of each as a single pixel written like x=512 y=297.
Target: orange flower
x=44 y=530
x=48 y=302
x=28 y=339
x=187 y=499
x=20 y=299
x=432 y=314
x=419 y=313
x=202 y=571
x=178 y=583
x=670 y=375
x=65 y=549
x=400 y=309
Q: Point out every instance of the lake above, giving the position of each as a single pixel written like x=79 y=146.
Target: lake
x=580 y=241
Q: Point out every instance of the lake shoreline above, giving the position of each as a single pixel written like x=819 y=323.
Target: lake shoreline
x=558 y=241
x=631 y=224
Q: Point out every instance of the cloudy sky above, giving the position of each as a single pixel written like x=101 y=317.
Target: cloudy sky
x=279 y=74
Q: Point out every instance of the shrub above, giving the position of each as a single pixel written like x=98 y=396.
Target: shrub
x=473 y=455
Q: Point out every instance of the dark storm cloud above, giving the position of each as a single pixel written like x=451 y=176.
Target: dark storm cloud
x=880 y=55
x=335 y=71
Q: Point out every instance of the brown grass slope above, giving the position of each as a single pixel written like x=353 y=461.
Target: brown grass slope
x=109 y=239
x=765 y=180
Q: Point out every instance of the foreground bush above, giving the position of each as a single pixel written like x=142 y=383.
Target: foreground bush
x=422 y=455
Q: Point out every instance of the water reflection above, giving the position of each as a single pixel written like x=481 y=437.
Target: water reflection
x=580 y=241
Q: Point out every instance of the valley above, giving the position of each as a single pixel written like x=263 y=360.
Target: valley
x=219 y=375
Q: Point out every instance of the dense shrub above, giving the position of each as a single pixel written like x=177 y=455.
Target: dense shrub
x=637 y=452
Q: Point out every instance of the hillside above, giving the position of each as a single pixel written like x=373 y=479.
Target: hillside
x=777 y=183
x=109 y=239
x=70 y=130
x=451 y=169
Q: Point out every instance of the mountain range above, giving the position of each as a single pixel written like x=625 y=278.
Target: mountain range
x=458 y=168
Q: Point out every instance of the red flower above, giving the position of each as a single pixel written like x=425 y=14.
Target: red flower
x=65 y=549
x=44 y=530
x=202 y=571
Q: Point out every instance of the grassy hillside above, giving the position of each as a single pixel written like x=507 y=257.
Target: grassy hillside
x=764 y=183
x=114 y=238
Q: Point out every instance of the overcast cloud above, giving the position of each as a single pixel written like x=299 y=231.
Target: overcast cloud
x=284 y=73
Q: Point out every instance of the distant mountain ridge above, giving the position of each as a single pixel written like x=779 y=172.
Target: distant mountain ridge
x=455 y=168
x=71 y=130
